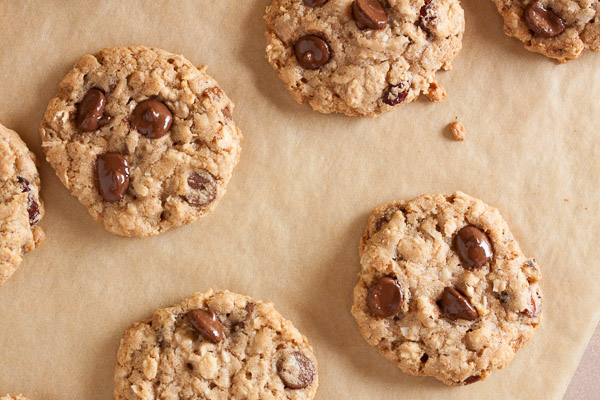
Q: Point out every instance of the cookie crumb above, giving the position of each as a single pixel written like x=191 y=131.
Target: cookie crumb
x=458 y=131
x=566 y=200
x=436 y=93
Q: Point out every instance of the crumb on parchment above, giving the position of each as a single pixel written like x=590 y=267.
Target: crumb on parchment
x=458 y=131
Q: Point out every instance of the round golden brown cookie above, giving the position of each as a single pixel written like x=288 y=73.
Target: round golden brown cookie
x=143 y=138
x=216 y=346
x=362 y=57
x=559 y=29
x=21 y=207
x=444 y=289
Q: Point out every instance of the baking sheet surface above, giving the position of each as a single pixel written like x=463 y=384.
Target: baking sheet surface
x=287 y=231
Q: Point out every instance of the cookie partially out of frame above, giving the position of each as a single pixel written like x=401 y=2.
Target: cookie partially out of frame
x=143 y=138
x=444 y=289
x=560 y=29
x=216 y=346
x=21 y=207
x=17 y=397
x=362 y=57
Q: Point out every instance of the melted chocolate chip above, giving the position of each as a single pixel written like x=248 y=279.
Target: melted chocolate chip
x=314 y=3
x=312 y=52
x=385 y=297
x=112 y=171
x=473 y=246
x=296 y=370
x=203 y=188
x=151 y=118
x=543 y=22
x=454 y=305
x=105 y=120
x=472 y=379
x=90 y=110
x=33 y=208
x=369 y=14
x=207 y=324
x=395 y=94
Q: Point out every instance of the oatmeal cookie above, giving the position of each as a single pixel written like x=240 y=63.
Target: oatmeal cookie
x=559 y=29
x=21 y=207
x=143 y=138
x=362 y=57
x=444 y=289
x=216 y=346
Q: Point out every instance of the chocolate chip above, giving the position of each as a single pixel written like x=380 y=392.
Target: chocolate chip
x=454 y=305
x=314 y=3
x=151 y=118
x=113 y=176
x=395 y=94
x=424 y=358
x=296 y=370
x=312 y=52
x=427 y=17
x=369 y=14
x=385 y=297
x=207 y=324
x=33 y=208
x=473 y=247
x=543 y=22
x=202 y=188
x=105 y=120
x=90 y=110
x=472 y=379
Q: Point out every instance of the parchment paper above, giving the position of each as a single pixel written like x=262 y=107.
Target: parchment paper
x=287 y=231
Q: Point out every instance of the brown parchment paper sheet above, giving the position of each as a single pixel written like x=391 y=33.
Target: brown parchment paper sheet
x=287 y=231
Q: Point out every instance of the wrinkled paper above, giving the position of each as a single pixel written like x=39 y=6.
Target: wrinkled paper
x=288 y=228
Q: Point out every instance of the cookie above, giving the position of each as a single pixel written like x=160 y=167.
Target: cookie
x=21 y=207
x=560 y=29
x=17 y=397
x=362 y=57
x=444 y=289
x=144 y=139
x=216 y=346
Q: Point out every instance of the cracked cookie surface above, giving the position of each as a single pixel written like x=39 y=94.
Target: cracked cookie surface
x=362 y=71
x=444 y=289
x=143 y=138
x=21 y=207
x=560 y=29
x=216 y=346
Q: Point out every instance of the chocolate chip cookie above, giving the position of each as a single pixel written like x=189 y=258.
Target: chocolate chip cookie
x=559 y=29
x=17 y=397
x=362 y=57
x=143 y=138
x=21 y=207
x=444 y=289
x=216 y=346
